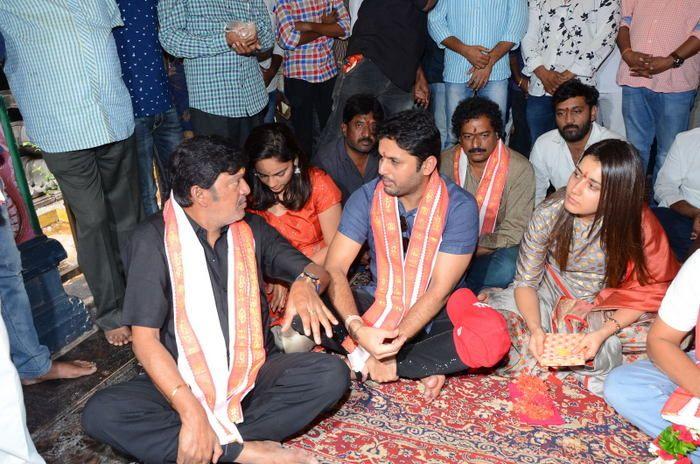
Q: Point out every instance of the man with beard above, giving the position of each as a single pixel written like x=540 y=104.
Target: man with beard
x=353 y=160
x=421 y=231
x=503 y=183
x=556 y=153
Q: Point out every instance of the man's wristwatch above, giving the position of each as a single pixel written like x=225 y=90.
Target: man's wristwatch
x=311 y=277
x=677 y=60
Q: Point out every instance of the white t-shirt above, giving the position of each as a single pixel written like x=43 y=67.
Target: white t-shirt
x=681 y=305
x=353 y=10
x=607 y=73
x=551 y=158
x=277 y=50
x=679 y=177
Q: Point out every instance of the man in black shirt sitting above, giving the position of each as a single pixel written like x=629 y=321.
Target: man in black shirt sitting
x=216 y=388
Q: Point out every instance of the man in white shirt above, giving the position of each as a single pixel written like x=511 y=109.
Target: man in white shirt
x=16 y=446
x=270 y=68
x=564 y=39
x=610 y=102
x=556 y=153
x=677 y=190
x=639 y=391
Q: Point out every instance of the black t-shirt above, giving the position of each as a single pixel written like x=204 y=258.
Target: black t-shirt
x=392 y=34
x=148 y=299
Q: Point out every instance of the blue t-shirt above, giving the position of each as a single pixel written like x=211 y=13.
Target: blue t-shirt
x=141 y=57
x=459 y=237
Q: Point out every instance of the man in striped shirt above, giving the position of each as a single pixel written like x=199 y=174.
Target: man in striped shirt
x=64 y=72
x=477 y=36
x=226 y=88
x=306 y=31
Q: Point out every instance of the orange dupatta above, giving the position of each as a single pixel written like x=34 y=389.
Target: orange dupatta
x=490 y=191
x=662 y=267
x=401 y=281
x=631 y=294
x=246 y=345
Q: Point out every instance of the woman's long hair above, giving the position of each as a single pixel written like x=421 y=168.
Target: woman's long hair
x=619 y=210
x=277 y=141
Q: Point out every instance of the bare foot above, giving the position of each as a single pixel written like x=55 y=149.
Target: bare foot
x=119 y=336
x=432 y=385
x=270 y=452
x=65 y=370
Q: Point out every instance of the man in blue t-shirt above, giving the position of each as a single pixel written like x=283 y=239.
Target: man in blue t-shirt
x=422 y=345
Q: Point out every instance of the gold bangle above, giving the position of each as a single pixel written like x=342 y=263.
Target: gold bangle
x=622 y=53
x=172 y=394
x=617 y=325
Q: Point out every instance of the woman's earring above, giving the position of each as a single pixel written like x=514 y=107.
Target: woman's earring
x=297 y=171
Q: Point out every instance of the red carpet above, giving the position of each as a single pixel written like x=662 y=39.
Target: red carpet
x=470 y=422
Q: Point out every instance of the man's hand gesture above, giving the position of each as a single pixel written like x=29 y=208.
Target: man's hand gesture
x=304 y=301
x=380 y=343
x=243 y=46
x=197 y=443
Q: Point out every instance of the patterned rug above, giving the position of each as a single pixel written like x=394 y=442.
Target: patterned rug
x=470 y=422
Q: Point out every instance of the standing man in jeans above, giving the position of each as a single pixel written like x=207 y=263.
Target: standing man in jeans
x=157 y=128
x=383 y=59
x=226 y=88
x=477 y=37
x=64 y=72
x=31 y=359
x=306 y=31
x=660 y=71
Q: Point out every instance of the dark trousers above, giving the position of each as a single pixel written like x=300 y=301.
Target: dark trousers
x=234 y=129
x=291 y=390
x=431 y=352
x=678 y=229
x=309 y=100
x=520 y=135
x=100 y=186
x=365 y=77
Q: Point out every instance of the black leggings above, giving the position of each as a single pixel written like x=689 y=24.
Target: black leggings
x=432 y=351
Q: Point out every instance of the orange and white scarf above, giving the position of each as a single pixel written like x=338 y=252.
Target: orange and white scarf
x=219 y=384
x=493 y=181
x=401 y=280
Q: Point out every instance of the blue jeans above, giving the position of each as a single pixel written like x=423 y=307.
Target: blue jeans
x=638 y=391
x=650 y=115
x=438 y=108
x=496 y=269
x=271 y=107
x=29 y=357
x=496 y=91
x=678 y=229
x=163 y=133
x=540 y=116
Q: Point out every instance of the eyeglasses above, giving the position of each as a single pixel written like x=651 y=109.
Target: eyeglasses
x=404 y=230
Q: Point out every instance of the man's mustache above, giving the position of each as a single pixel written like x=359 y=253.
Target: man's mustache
x=477 y=150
